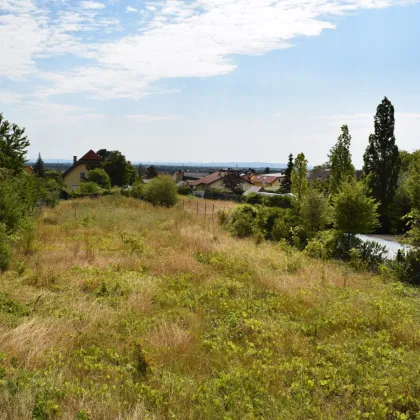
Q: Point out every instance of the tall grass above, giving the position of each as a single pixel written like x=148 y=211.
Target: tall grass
x=127 y=311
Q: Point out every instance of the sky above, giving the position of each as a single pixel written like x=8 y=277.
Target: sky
x=208 y=80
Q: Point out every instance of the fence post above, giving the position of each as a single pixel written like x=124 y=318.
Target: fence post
x=197 y=207
x=212 y=213
x=205 y=210
x=75 y=213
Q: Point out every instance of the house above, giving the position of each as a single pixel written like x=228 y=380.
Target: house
x=77 y=173
x=214 y=181
x=268 y=180
x=190 y=176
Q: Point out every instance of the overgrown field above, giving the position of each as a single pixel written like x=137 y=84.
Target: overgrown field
x=119 y=310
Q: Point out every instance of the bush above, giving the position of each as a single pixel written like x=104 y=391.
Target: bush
x=137 y=190
x=407 y=266
x=282 y=201
x=324 y=245
x=88 y=188
x=243 y=221
x=371 y=254
x=161 y=191
x=184 y=190
x=99 y=177
x=5 y=249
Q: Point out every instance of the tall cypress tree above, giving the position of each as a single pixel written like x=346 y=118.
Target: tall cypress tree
x=287 y=183
x=340 y=160
x=39 y=166
x=299 y=176
x=382 y=161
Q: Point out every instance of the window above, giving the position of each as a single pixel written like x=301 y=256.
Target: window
x=82 y=175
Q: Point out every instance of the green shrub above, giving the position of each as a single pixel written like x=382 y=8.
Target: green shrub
x=88 y=188
x=184 y=190
x=99 y=177
x=407 y=266
x=282 y=201
x=243 y=221
x=222 y=217
x=5 y=249
x=324 y=245
x=161 y=191
x=137 y=190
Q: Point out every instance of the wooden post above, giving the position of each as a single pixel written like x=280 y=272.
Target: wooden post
x=75 y=213
x=205 y=210
x=197 y=207
x=212 y=213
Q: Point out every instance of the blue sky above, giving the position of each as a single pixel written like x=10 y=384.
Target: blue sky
x=208 y=80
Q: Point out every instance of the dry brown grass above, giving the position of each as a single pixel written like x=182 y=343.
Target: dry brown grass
x=181 y=320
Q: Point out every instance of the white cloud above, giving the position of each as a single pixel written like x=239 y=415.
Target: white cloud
x=146 y=118
x=92 y=5
x=181 y=39
x=131 y=9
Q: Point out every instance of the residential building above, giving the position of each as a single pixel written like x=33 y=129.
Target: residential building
x=77 y=173
x=271 y=181
x=214 y=181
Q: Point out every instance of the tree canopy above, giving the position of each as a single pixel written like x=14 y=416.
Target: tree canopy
x=13 y=145
x=287 y=183
x=341 y=167
x=299 y=176
x=39 y=169
x=382 y=161
x=232 y=181
x=120 y=171
x=354 y=210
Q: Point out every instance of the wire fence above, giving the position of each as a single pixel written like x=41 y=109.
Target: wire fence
x=207 y=210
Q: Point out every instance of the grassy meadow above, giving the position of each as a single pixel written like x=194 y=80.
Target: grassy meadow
x=119 y=310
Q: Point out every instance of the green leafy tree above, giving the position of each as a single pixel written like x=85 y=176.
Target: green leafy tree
x=287 y=183
x=39 y=169
x=299 y=176
x=267 y=170
x=341 y=167
x=382 y=161
x=151 y=172
x=355 y=211
x=161 y=191
x=232 y=181
x=13 y=145
x=315 y=212
x=116 y=166
x=413 y=189
x=100 y=177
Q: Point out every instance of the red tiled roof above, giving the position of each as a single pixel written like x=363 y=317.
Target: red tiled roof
x=91 y=155
x=265 y=179
x=209 y=179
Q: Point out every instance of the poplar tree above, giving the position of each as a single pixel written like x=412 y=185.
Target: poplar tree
x=287 y=183
x=39 y=166
x=341 y=167
x=382 y=161
x=299 y=176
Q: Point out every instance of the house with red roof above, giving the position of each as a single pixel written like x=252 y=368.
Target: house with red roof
x=77 y=173
x=270 y=181
x=214 y=181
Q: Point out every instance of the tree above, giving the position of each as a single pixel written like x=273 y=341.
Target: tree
x=382 y=161
x=100 y=177
x=232 y=181
x=13 y=145
x=161 y=191
x=413 y=189
x=287 y=183
x=116 y=166
x=267 y=170
x=354 y=210
x=141 y=171
x=341 y=167
x=299 y=176
x=315 y=212
x=151 y=172
x=39 y=169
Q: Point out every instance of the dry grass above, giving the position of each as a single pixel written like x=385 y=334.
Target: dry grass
x=129 y=311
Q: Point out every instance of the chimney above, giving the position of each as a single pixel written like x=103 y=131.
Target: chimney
x=74 y=160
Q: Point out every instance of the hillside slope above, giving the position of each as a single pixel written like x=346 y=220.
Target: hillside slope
x=125 y=311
